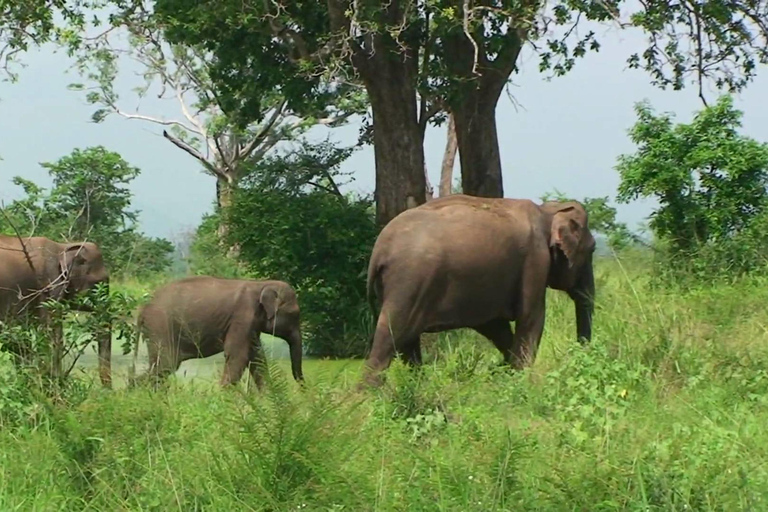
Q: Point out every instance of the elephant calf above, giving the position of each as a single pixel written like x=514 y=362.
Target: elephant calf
x=201 y=316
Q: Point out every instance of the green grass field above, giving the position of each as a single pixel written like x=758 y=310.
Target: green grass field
x=666 y=410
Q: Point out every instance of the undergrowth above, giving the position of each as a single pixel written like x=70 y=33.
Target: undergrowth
x=664 y=410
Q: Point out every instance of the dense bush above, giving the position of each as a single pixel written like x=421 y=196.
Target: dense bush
x=208 y=254
x=320 y=244
x=711 y=184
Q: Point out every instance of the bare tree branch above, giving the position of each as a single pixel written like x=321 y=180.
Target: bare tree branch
x=196 y=154
x=18 y=235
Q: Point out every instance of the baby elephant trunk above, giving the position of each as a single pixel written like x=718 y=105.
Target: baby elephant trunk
x=294 y=344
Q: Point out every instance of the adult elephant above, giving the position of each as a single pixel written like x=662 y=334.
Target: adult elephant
x=201 y=316
x=480 y=263
x=36 y=269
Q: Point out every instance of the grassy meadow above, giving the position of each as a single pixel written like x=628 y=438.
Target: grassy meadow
x=665 y=410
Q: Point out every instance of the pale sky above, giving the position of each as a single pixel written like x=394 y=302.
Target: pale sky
x=566 y=133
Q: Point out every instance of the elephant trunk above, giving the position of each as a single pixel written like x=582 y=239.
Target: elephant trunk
x=295 y=348
x=584 y=299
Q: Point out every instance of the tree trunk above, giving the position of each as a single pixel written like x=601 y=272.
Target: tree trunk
x=478 y=84
x=449 y=158
x=398 y=141
x=478 y=144
x=224 y=201
x=429 y=190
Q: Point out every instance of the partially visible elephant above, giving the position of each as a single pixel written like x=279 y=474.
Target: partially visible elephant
x=201 y=316
x=36 y=269
x=480 y=263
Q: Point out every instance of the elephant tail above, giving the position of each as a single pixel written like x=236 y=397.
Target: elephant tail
x=373 y=288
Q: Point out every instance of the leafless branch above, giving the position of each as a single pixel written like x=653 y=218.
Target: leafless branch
x=467 y=17
x=264 y=131
x=18 y=235
x=196 y=154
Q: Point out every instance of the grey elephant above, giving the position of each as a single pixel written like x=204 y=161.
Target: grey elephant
x=480 y=263
x=36 y=269
x=201 y=316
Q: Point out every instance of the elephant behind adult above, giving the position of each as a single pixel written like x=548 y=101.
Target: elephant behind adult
x=36 y=269
x=480 y=263
x=202 y=316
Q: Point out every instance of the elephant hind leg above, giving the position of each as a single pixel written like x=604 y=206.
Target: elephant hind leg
x=163 y=358
x=499 y=332
x=386 y=343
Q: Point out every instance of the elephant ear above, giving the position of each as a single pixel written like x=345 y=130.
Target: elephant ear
x=70 y=256
x=269 y=300
x=566 y=233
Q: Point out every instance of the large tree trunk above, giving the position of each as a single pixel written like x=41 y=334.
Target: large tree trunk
x=389 y=71
x=224 y=201
x=398 y=140
x=478 y=145
x=449 y=158
x=479 y=83
x=399 y=152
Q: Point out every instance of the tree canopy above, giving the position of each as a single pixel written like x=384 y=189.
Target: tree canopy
x=709 y=179
x=418 y=60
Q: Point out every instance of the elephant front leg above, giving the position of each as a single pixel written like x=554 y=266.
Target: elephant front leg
x=237 y=354
x=529 y=328
x=258 y=363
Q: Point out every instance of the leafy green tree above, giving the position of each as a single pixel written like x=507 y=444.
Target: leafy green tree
x=89 y=200
x=710 y=181
x=27 y=23
x=293 y=224
x=206 y=128
x=418 y=59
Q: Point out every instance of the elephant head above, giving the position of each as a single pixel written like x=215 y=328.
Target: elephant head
x=80 y=268
x=571 y=247
x=276 y=310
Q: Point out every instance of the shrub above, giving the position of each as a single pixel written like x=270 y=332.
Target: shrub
x=320 y=244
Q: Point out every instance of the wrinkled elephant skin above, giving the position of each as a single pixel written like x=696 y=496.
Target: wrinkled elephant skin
x=480 y=263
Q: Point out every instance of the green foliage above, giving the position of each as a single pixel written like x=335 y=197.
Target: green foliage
x=602 y=219
x=291 y=223
x=31 y=344
x=256 y=52
x=89 y=200
x=244 y=79
x=29 y=23
x=664 y=411
x=208 y=255
x=710 y=183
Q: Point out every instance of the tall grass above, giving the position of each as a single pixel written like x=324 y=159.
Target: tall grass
x=665 y=410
